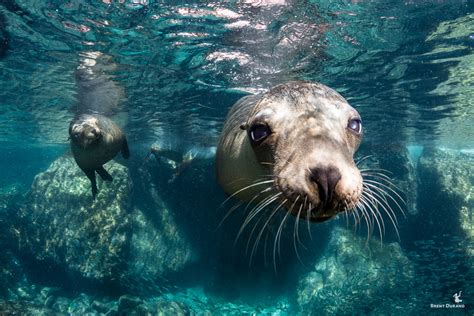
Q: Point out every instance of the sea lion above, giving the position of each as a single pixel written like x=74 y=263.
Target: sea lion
x=96 y=139
x=168 y=157
x=294 y=146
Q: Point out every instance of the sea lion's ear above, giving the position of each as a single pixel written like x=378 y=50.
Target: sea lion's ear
x=244 y=126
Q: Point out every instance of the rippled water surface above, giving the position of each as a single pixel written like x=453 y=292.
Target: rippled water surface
x=404 y=65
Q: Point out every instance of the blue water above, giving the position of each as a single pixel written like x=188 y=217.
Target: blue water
x=406 y=66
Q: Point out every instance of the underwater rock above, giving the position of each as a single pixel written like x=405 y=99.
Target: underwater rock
x=127 y=302
x=101 y=307
x=447 y=182
x=108 y=239
x=64 y=225
x=166 y=307
x=353 y=276
x=11 y=269
x=23 y=308
x=192 y=301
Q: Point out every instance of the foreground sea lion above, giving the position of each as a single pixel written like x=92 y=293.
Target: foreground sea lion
x=96 y=139
x=292 y=146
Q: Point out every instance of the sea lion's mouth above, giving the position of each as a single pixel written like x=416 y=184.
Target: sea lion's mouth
x=323 y=213
x=320 y=219
x=326 y=211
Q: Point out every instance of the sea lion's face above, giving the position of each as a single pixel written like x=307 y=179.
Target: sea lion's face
x=306 y=135
x=85 y=131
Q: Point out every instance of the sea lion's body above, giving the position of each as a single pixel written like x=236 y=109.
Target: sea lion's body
x=95 y=140
x=294 y=146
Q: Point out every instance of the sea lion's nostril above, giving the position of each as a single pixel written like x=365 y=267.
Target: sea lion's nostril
x=96 y=131
x=326 y=178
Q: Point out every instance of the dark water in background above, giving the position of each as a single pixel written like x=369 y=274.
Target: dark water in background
x=406 y=66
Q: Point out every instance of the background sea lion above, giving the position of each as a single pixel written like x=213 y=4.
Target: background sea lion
x=95 y=138
x=293 y=146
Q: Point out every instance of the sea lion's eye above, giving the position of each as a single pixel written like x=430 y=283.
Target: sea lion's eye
x=258 y=132
x=355 y=125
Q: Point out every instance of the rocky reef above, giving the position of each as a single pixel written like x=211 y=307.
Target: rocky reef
x=110 y=239
x=34 y=300
x=134 y=236
x=356 y=277
x=447 y=179
x=11 y=270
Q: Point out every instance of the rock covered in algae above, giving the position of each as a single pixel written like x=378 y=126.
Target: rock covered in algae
x=36 y=300
x=11 y=268
x=108 y=239
x=23 y=308
x=447 y=178
x=354 y=275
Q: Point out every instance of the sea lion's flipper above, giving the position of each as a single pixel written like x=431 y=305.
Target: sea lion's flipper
x=125 y=151
x=91 y=175
x=104 y=174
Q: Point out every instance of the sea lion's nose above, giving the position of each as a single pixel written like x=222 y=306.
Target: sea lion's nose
x=326 y=178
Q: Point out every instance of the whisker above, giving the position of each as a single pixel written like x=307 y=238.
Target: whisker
x=346 y=206
x=290 y=211
x=382 y=177
x=246 y=188
x=368 y=221
x=376 y=169
x=370 y=227
x=296 y=232
x=239 y=204
x=277 y=241
x=366 y=212
x=257 y=195
x=229 y=212
x=354 y=214
x=375 y=215
x=387 y=209
x=386 y=193
x=260 y=206
x=364 y=202
x=383 y=194
x=366 y=172
x=257 y=241
x=371 y=201
x=257 y=209
x=362 y=159
x=376 y=192
x=267 y=234
x=308 y=215
x=250 y=236
x=298 y=217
